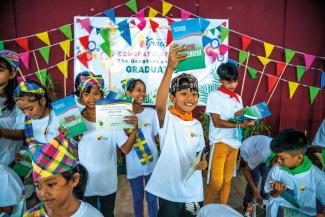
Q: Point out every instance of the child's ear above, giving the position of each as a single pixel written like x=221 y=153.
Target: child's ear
x=75 y=179
x=43 y=101
x=128 y=93
x=81 y=101
x=300 y=157
x=172 y=98
x=12 y=74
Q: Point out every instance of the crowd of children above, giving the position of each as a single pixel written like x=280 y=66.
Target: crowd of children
x=78 y=176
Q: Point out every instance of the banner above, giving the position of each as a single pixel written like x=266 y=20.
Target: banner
x=145 y=57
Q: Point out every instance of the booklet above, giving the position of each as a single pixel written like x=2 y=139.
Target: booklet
x=68 y=114
x=24 y=167
x=110 y=113
x=195 y=162
x=252 y=113
x=188 y=33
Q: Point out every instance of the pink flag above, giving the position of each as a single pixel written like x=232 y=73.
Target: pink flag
x=185 y=14
x=142 y=24
x=308 y=60
x=140 y=15
x=85 y=23
x=20 y=79
x=24 y=57
x=223 y=48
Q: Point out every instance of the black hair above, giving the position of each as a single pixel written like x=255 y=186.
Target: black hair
x=9 y=90
x=133 y=83
x=77 y=83
x=228 y=72
x=290 y=140
x=80 y=189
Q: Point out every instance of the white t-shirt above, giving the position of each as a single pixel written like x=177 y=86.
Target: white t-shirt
x=85 y=210
x=147 y=123
x=319 y=139
x=11 y=187
x=49 y=124
x=226 y=107
x=255 y=150
x=217 y=210
x=307 y=187
x=11 y=120
x=180 y=141
x=97 y=152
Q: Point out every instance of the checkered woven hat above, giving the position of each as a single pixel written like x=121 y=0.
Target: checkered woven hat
x=190 y=79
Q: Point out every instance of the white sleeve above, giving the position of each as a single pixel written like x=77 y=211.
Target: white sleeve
x=320 y=189
x=162 y=131
x=20 y=119
x=272 y=177
x=155 y=123
x=120 y=137
x=213 y=105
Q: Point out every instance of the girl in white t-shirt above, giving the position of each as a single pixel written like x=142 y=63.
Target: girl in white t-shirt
x=11 y=119
x=142 y=158
x=97 y=148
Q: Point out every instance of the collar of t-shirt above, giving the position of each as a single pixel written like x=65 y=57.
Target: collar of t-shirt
x=231 y=94
x=184 y=117
x=269 y=159
x=304 y=167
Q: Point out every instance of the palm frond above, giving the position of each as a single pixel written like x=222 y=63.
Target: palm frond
x=205 y=89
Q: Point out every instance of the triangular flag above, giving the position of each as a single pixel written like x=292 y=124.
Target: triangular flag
x=142 y=24
x=185 y=14
x=268 y=49
x=132 y=4
x=308 y=60
x=224 y=33
x=313 y=91
x=252 y=72
x=140 y=15
x=63 y=67
x=213 y=30
x=289 y=55
x=170 y=20
x=83 y=58
x=246 y=40
x=44 y=36
x=24 y=57
x=169 y=37
x=85 y=23
x=300 y=72
x=65 y=45
x=105 y=34
x=110 y=13
x=132 y=22
x=223 y=48
x=106 y=48
x=263 y=60
x=206 y=40
x=235 y=63
x=45 y=53
x=279 y=68
x=124 y=28
x=97 y=30
x=204 y=24
x=242 y=56
x=66 y=30
x=271 y=80
x=49 y=81
x=41 y=75
x=2 y=47
x=322 y=80
x=84 y=41
x=166 y=7
x=127 y=36
x=292 y=88
x=152 y=13
x=154 y=25
x=20 y=79
x=23 y=42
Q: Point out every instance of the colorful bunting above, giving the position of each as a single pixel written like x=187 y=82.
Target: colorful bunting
x=84 y=41
x=206 y=40
x=44 y=36
x=170 y=20
x=322 y=80
x=132 y=22
x=279 y=68
x=110 y=13
x=105 y=34
x=166 y=7
x=24 y=57
x=124 y=28
x=268 y=49
x=292 y=88
x=252 y=72
x=66 y=30
x=213 y=30
x=246 y=40
x=300 y=72
x=169 y=37
x=308 y=60
x=271 y=80
x=233 y=62
x=224 y=32
x=2 y=47
x=154 y=25
x=140 y=15
x=63 y=67
x=42 y=75
x=204 y=24
x=185 y=14
x=289 y=55
x=23 y=42
x=263 y=60
x=83 y=58
x=85 y=23
x=142 y=24
x=223 y=48
x=313 y=91
x=242 y=56
x=132 y=4
x=106 y=48
x=45 y=53
x=65 y=46
x=152 y=13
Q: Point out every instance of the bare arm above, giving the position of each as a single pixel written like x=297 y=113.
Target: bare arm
x=249 y=179
x=218 y=122
x=12 y=134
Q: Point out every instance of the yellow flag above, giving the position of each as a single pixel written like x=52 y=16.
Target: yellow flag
x=44 y=36
x=63 y=67
x=268 y=49
x=166 y=7
x=152 y=13
x=263 y=60
x=292 y=88
x=65 y=46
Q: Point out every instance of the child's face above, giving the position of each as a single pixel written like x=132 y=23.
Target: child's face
x=229 y=85
x=55 y=191
x=289 y=160
x=89 y=99
x=138 y=94
x=5 y=75
x=35 y=109
x=185 y=100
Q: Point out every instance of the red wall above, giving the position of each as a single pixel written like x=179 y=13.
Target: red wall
x=294 y=24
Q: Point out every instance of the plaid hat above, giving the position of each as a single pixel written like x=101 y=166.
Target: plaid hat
x=126 y=83
x=190 y=79
x=29 y=87
x=88 y=79
x=11 y=57
x=55 y=157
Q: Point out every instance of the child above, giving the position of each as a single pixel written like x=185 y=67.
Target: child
x=58 y=179
x=319 y=142
x=225 y=137
x=97 y=148
x=142 y=158
x=257 y=156
x=181 y=138
x=294 y=177
x=11 y=118
x=11 y=189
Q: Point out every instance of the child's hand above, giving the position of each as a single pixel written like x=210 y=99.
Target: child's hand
x=239 y=113
x=278 y=187
x=174 y=58
x=247 y=124
x=203 y=164
x=133 y=120
x=258 y=197
x=19 y=157
x=64 y=131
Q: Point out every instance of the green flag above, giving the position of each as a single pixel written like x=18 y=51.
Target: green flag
x=41 y=75
x=313 y=91
x=66 y=30
x=224 y=33
x=105 y=34
x=2 y=47
x=300 y=72
x=213 y=30
x=289 y=55
x=45 y=52
x=242 y=56
x=252 y=72
x=106 y=48
x=132 y=4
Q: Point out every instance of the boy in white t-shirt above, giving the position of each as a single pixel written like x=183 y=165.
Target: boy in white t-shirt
x=181 y=138
x=319 y=141
x=294 y=183
x=224 y=136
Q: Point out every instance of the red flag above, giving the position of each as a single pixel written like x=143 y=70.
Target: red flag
x=279 y=68
x=246 y=40
x=271 y=80
x=170 y=20
x=23 y=42
x=84 y=58
x=84 y=41
x=169 y=37
x=154 y=25
x=132 y=22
